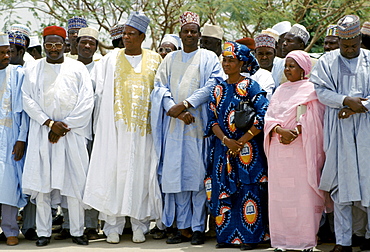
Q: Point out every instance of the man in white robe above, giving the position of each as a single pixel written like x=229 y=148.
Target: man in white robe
x=342 y=83
x=122 y=177
x=87 y=43
x=58 y=97
x=179 y=115
x=13 y=133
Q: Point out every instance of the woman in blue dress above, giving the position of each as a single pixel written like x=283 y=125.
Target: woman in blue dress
x=237 y=176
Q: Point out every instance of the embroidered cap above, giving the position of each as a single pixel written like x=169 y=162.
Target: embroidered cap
x=213 y=31
x=265 y=40
x=116 y=31
x=300 y=31
x=89 y=32
x=17 y=38
x=189 y=18
x=282 y=27
x=271 y=33
x=77 y=23
x=55 y=30
x=332 y=30
x=349 y=27
x=139 y=21
x=21 y=29
x=365 y=28
x=4 y=39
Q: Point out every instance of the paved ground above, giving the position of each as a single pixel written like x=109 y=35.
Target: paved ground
x=127 y=245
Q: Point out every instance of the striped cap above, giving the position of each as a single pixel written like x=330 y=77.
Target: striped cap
x=17 y=38
x=365 y=28
x=77 y=23
x=116 y=31
x=139 y=21
x=332 y=30
x=349 y=27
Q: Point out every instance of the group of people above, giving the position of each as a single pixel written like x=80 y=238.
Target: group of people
x=144 y=136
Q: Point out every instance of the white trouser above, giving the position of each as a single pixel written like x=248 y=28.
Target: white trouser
x=44 y=218
x=9 y=220
x=343 y=221
x=359 y=219
x=120 y=225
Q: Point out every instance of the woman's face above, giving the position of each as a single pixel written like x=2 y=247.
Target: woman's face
x=231 y=65
x=292 y=70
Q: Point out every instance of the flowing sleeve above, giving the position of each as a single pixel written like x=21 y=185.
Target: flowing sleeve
x=324 y=82
x=212 y=74
x=30 y=105
x=260 y=103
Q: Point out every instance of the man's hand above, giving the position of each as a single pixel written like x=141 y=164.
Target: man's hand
x=186 y=117
x=345 y=113
x=355 y=104
x=18 y=150
x=53 y=137
x=60 y=128
x=176 y=110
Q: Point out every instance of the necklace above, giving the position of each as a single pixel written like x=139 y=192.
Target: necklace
x=240 y=78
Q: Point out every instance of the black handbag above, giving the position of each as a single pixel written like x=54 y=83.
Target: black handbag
x=244 y=115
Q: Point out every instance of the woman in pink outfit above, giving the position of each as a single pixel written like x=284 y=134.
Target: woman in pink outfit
x=294 y=148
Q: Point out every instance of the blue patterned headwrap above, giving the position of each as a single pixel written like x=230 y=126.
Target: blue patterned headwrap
x=242 y=53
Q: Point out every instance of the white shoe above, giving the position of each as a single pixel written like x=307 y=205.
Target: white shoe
x=113 y=238
x=138 y=236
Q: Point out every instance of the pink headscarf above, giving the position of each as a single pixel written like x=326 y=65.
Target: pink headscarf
x=303 y=60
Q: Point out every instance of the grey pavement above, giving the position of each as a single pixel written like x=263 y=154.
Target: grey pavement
x=127 y=245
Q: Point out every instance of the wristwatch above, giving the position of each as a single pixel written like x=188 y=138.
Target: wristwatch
x=186 y=104
x=51 y=123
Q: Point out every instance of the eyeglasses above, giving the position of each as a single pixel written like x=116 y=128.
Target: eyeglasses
x=164 y=50
x=57 y=46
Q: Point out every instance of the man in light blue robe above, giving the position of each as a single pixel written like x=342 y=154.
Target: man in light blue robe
x=342 y=82
x=183 y=85
x=13 y=134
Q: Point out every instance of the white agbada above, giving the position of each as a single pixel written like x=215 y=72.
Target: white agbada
x=122 y=179
x=61 y=92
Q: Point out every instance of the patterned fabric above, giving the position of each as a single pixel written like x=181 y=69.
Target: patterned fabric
x=21 y=29
x=139 y=21
x=189 y=18
x=17 y=38
x=365 y=28
x=77 y=23
x=241 y=52
x=265 y=40
x=116 y=31
x=349 y=27
x=300 y=31
x=237 y=186
x=332 y=30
